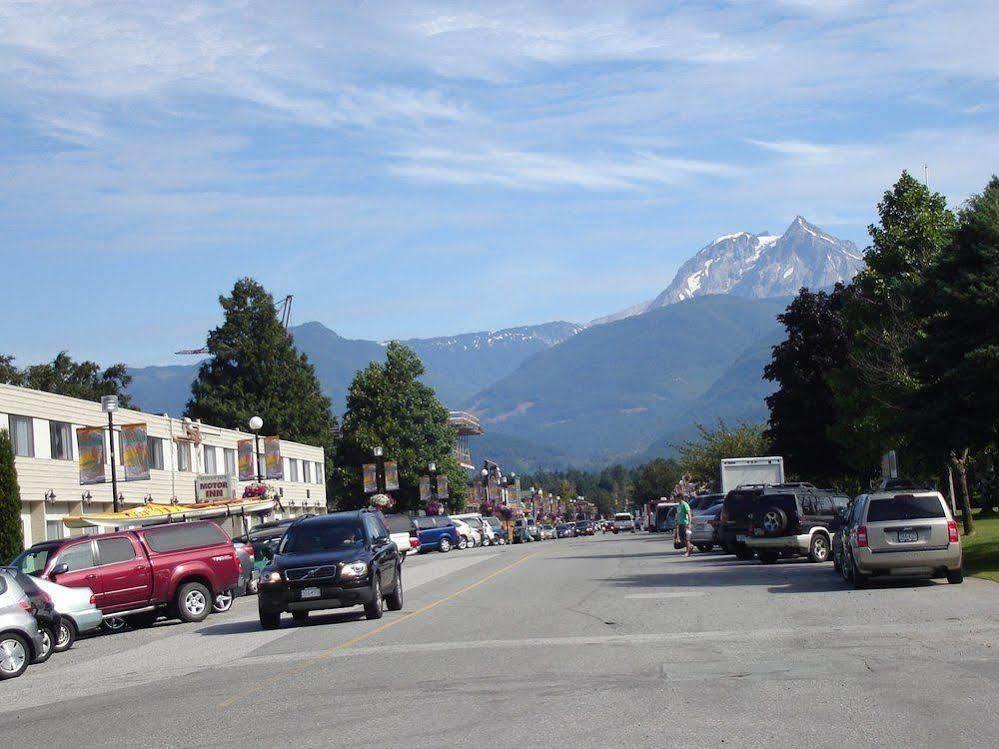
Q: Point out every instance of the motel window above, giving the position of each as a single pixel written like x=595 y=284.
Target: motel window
x=53 y=530
x=210 y=464
x=292 y=469
x=307 y=471
x=22 y=436
x=184 y=456
x=154 y=446
x=61 y=440
x=230 y=461
x=319 y=473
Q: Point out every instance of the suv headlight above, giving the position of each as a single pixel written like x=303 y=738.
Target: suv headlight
x=354 y=569
x=271 y=577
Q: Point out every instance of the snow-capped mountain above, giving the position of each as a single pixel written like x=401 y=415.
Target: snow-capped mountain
x=759 y=266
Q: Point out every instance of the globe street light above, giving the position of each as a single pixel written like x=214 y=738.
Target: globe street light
x=256 y=424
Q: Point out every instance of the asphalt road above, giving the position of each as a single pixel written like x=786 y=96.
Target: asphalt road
x=579 y=642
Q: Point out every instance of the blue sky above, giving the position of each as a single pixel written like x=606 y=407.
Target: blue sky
x=410 y=169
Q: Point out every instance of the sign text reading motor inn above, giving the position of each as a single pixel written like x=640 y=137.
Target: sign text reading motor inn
x=214 y=488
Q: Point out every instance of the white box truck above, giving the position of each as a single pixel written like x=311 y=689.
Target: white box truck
x=737 y=471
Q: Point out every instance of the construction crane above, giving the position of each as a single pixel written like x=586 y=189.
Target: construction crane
x=283 y=308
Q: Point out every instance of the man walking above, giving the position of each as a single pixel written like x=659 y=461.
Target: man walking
x=683 y=522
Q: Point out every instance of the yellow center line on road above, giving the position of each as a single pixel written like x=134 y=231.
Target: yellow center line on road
x=329 y=652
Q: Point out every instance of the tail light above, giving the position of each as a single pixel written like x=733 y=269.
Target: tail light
x=26 y=605
x=414 y=543
x=93 y=600
x=862 y=536
x=952 y=534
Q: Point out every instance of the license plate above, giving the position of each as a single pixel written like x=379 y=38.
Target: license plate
x=740 y=539
x=310 y=592
x=907 y=536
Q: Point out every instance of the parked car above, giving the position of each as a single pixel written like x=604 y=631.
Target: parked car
x=468 y=537
x=436 y=532
x=908 y=533
x=20 y=638
x=521 y=531
x=39 y=604
x=174 y=570
x=77 y=613
x=585 y=528
x=565 y=530
x=499 y=533
x=666 y=517
x=533 y=528
x=402 y=530
x=794 y=524
x=488 y=534
x=332 y=561
x=737 y=513
x=245 y=584
x=548 y=532
x=623 y=521
x=705 y=501
x=704 y=530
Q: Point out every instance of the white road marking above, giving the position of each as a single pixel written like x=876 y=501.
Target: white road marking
x=671 y=594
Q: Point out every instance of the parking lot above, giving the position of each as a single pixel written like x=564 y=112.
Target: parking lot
x=575 y=642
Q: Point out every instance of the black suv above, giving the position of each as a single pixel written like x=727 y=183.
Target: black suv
x=794 y=523
x=738 y=509
x=329 y=562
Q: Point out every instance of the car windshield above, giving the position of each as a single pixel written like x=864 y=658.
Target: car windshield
x=310 y=538
x=494 y=522
x=904 y=508
x=32 y=561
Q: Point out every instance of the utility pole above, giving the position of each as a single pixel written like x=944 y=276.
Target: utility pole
x=109 y=404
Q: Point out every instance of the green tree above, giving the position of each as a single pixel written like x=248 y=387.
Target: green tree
x=701 y=457
x=255 y=370
x=388 y=406
x=803 y=408
x=881 y=323
x=11 y=531
x=655 y=479
x=64 y=376
x=956 y=354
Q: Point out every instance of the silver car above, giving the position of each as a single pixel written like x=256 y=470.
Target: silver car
x=78 y=615
x=21 y=640
x=902 y=533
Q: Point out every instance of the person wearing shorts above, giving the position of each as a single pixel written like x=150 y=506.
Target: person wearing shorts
x=683 y=523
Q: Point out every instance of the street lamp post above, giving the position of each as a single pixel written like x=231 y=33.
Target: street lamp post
x=379 y=469
x=109 y=404
x=256 y=424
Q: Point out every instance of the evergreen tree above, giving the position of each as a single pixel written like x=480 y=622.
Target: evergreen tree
x=881 y=323
x=255 y=370
x=64 y=376
x=388 y=406
x=957 y=352
x=11 y=531
x=803 y=409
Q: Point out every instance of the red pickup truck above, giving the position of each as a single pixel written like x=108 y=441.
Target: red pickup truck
x=140 y=574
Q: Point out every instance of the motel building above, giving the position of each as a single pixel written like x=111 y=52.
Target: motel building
x=42 y=427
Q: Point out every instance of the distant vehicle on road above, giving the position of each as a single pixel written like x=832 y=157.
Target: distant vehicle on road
x=907 y=533
x=565 y=530
x=623 y=521
x=436 y=532
x=521 y=531
x=332 y=561
x=704 y=530
x=794 y=524
x=20 y=639
x=175 y=569
x=736 y=472
x=585 y=528
x=402 y=530
x=548 y=532
x=486 y=532
x=738 y=509
x=468 y=537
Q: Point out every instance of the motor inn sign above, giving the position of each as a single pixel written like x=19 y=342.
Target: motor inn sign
x=215 y=488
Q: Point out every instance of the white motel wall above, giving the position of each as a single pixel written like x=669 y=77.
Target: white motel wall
x=43 y=429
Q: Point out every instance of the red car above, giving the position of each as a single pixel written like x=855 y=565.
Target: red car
x=176 y=570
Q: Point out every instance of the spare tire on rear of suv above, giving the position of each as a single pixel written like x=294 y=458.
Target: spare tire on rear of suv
x=774 y=521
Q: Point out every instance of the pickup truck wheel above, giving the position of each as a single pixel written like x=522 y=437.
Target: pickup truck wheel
x=374 y=609
x=818 y=551
x=445 y=546
x=394 y=600
x=269 y=619
x=223 y=602
x=14 y=655
x=66 y=635
x=45 y=650
x=193 y=602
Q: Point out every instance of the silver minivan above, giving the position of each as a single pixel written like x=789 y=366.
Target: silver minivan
x=911 y=533
x=21 y=639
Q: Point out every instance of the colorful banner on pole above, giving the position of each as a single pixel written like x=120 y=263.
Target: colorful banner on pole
x=273 y=465
x=244 y=448
x=135 y=452
x=424 y=488
x=391 y=476
x=90 y=444
x=370 y=471
x=442 y=489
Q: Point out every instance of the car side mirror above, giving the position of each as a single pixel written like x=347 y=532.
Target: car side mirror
x=59 y=569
